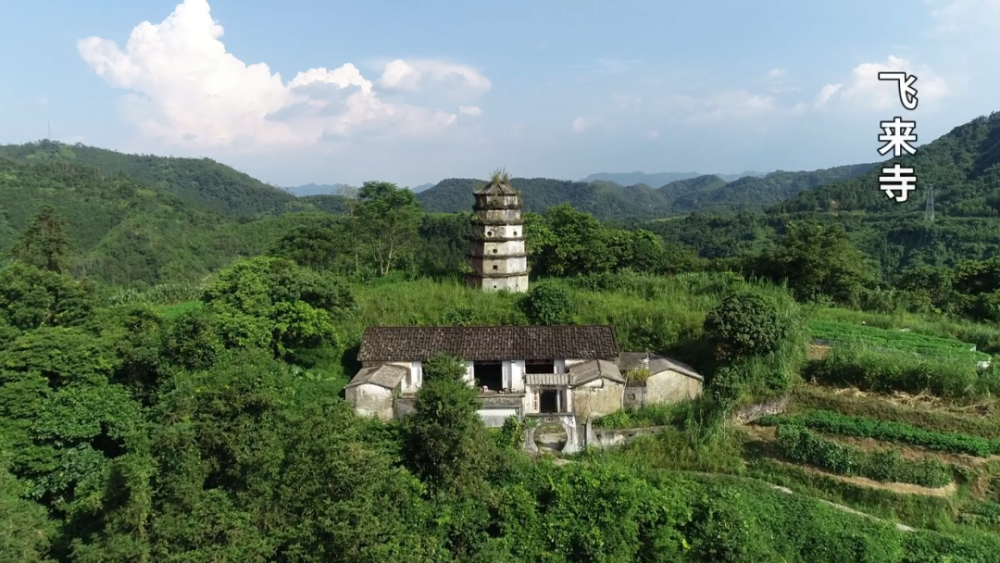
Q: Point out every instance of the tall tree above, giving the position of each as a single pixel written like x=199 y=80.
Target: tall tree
x=386 y=222
x=44 y=243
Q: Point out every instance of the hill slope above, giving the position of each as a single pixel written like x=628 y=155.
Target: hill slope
x=204 y=182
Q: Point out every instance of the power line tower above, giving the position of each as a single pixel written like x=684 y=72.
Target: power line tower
x=929 y=206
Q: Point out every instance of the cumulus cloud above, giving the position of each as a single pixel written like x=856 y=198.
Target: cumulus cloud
x=581 y=124
x=653 y=135
x=421 y=75
x=865 y=90
x=185 y=89
x=472 y=111
x=776 y=73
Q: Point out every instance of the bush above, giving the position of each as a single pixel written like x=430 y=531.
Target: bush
x=885 y=465
x=547 y=304
x=744 y=325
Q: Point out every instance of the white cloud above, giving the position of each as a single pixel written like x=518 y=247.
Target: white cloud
x=827 y=92
x=472 y=111
x=423 y=74
x=187 y=90
x=776 y=73
x=653 y=135
x=865 y=90
x=727 y=105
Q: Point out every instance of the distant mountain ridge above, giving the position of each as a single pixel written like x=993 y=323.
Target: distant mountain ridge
x=311 y=189
x=659 y=179
x=613 y=202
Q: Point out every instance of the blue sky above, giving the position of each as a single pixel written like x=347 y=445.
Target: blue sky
x=412 y=92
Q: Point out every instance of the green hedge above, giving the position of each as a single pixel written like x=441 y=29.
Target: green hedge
x=864 y=427
x=885 y=465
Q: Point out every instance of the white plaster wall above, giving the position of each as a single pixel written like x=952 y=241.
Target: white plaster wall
x=671 y=387
x=503 y=265
x=528 y=403
x=560 y=366
x=409 y=383
x=371 y=400
x=517 y=376
x=470 y=374
x=499 y=231
x=502 y=248
x=506 y=367
x=517 y=284
x=494 y=418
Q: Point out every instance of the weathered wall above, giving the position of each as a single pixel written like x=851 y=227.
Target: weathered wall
x=497 y=231
x=608 y=437
x=496 y=416
x=592 y=401
x=753 y=412
x=497 y=248
x=371 y=400
x=515 y=284
x=671 y=387
x=499 y=264
x=635 y=398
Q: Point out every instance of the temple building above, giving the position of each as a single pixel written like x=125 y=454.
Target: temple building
x=498 y=258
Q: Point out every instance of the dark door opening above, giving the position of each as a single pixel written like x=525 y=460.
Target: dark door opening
x=539 y=366
x=489 y=375
x=548 y=401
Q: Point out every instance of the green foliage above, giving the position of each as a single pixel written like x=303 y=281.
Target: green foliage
x=904 y=341
x=744 y=325
x=25 y=529
x=886 y=371
x=386 y=222
x=275 y=304
x=888 y=431
x=31 y=298
x=548 y=304
x=649 y=415
x=44 y=243
x=886 y=465
x=444 y=437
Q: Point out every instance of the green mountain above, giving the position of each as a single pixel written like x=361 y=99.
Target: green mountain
x=613 y=202
x=204 y=182
x=658 y=179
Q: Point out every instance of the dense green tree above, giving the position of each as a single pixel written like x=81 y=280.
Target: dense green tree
x=818 y=261
x=32 y=298
x=319 y=247
x=44 y=243
x=445 y=442
x=276 y=304
x=548 y=304
x=25 y=529
x=744 y=325
x=386 y=223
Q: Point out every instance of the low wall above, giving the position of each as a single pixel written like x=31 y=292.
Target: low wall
x=753 y=412
x=600 y=438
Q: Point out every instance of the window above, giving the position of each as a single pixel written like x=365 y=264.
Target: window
x=515 y=233
x=539 y=366
x=494 y=266
x=488 y=374
x=548 y=401
x=494 y=251
x=489 y=233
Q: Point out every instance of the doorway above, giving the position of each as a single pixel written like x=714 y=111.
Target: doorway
x=489 y=375
x=548 y=401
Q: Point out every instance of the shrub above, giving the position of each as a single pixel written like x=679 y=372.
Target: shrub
x=743 y=325
x=547 y=304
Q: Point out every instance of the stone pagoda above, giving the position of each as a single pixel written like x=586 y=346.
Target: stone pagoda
x=498 y=259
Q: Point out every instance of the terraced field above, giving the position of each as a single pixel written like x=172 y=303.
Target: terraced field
x=841 y=333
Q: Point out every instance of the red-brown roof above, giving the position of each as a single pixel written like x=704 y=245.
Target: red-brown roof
x=488 y=343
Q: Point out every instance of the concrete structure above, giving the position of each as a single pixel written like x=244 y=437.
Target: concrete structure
x=498 y=259
x=663 y=380
x=555 y=375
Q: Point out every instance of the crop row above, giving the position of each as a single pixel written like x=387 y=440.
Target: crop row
x=849 y=333
x=887 y=431
x=885 y=465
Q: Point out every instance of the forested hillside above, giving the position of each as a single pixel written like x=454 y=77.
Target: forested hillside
x=658 y=179
x=204 y=182
x=963 y=167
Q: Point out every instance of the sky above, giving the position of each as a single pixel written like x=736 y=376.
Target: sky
x=306 y=91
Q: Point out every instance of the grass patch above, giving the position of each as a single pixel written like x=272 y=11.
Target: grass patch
x=894 y=339
x=650 y=415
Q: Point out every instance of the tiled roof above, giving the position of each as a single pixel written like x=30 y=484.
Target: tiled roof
x=657 y=364
x=586 y=372
x=488 y=343
x=383 y=375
